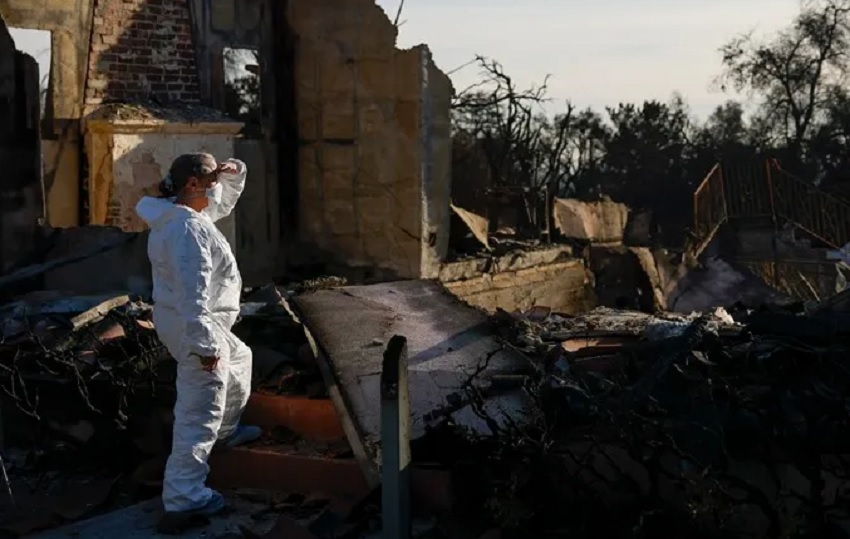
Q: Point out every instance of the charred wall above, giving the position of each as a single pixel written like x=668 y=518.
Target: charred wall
x=69 y=22
x=267 y=212
x=21 y=198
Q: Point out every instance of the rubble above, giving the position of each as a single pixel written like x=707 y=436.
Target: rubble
x=447 y=341
x=721 y=423
x=601 y=222
x=86 y=384
x=478 y=226
x=707 y=425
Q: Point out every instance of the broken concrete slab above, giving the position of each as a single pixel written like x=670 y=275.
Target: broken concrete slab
x=448 y=342
x=564 y=287
x=98 y=311
x=15 y=316
x=603 y=221
x=478 y=225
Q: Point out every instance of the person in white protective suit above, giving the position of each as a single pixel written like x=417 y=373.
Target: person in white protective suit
x=196 y=292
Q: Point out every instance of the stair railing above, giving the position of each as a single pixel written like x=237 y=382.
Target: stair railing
x=808 y=207
x=710 y=211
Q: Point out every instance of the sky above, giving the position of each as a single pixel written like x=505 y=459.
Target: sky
x=597 y=52
x=36 y=43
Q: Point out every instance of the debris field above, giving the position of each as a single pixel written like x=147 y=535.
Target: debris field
x=728 y=423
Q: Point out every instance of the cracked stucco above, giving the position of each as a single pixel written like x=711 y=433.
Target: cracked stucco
x=130 y=165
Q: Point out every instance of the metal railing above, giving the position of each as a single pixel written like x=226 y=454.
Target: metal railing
x=747 y=188
x=710 y=211
x=762 y=188
x=801 y=279
x=808 y=207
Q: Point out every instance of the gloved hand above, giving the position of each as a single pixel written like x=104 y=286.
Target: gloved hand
x=228 y=167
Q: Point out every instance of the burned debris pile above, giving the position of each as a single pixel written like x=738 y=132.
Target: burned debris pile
x=725 y=423
x=707 y=426
x=98 y=361
x=72 y=360
x=87 y=392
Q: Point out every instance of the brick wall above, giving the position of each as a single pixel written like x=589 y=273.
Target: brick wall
x=142 y=50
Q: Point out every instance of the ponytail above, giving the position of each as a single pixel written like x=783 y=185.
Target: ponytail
x=166 y=187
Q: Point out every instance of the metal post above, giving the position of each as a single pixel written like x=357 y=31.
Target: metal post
x=722 y=182
x=696 y=212
x=775 y=243
x=395 y=441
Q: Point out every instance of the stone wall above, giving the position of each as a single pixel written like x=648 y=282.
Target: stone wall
x=374 y=163
x=546 y=278
x=141 y=50
x=436 y=159
x=370 y=185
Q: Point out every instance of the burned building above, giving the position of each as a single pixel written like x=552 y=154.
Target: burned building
x=347 y=137
x=349 y=147
x=348 y=140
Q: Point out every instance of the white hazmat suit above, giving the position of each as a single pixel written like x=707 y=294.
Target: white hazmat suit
x=196 y=290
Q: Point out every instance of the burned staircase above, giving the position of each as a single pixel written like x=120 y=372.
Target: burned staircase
x=777 y=226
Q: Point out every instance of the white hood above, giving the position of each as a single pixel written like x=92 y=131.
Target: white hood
x=155 y=211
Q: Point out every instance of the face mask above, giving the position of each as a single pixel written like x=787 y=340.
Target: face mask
x=214 y=193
